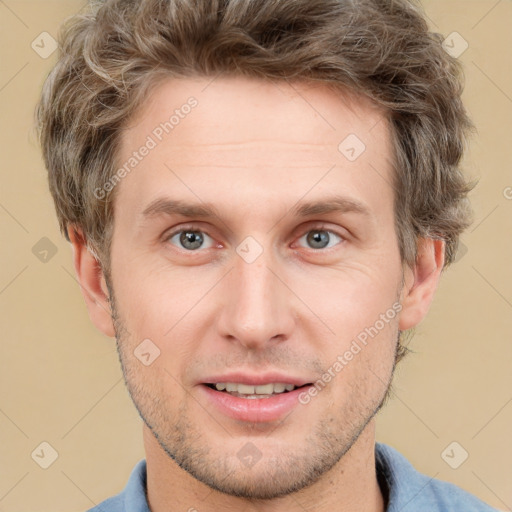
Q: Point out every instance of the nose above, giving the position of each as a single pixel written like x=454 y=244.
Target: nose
x=257 y=305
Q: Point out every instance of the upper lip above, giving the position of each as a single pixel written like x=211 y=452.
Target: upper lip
x=257 y=379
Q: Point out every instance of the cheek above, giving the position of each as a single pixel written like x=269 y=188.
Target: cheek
x=361 y=307
x=148 y=304
x=362 y=358
x=349 y=300
x=168 y=306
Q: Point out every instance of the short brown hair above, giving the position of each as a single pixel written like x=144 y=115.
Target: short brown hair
x=380 y=48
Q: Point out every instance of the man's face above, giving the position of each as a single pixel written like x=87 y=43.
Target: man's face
x=266 y=291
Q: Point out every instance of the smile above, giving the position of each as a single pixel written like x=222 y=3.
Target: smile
x=254 y=403
x=251 y=391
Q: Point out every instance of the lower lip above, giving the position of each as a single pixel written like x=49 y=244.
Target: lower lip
x=255 y=410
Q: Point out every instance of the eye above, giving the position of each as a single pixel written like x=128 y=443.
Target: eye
x=190 y=239
x=321 y=239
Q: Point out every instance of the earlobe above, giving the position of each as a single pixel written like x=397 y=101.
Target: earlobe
x=92 y=282
x=421 y=282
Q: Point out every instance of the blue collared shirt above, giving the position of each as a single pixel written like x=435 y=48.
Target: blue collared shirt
x=405 y=489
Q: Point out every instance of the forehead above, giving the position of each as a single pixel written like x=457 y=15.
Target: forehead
x=242 y=106
x=234 y=133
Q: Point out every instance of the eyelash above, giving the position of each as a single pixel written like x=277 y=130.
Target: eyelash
x=167 y=237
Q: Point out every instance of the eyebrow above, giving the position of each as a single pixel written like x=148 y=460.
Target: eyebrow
x=337 y=204
x=331 y=204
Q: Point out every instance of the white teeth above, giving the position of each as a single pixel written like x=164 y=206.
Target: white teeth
x=266 y=389
x=247 y=389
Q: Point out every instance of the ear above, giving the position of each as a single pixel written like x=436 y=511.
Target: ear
x=421 y=282
x=92 y=282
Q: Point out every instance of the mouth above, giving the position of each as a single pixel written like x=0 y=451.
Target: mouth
x=251 y=403
x=254 y=392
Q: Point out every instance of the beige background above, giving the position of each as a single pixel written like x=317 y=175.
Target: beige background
x=60 y=380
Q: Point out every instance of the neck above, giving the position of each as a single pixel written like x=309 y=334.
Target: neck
x=350 y=486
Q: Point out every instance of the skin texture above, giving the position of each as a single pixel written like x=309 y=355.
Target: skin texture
x=254 y=150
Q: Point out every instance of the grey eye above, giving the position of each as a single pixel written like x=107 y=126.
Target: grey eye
x=189 y=239
x=320 y=238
